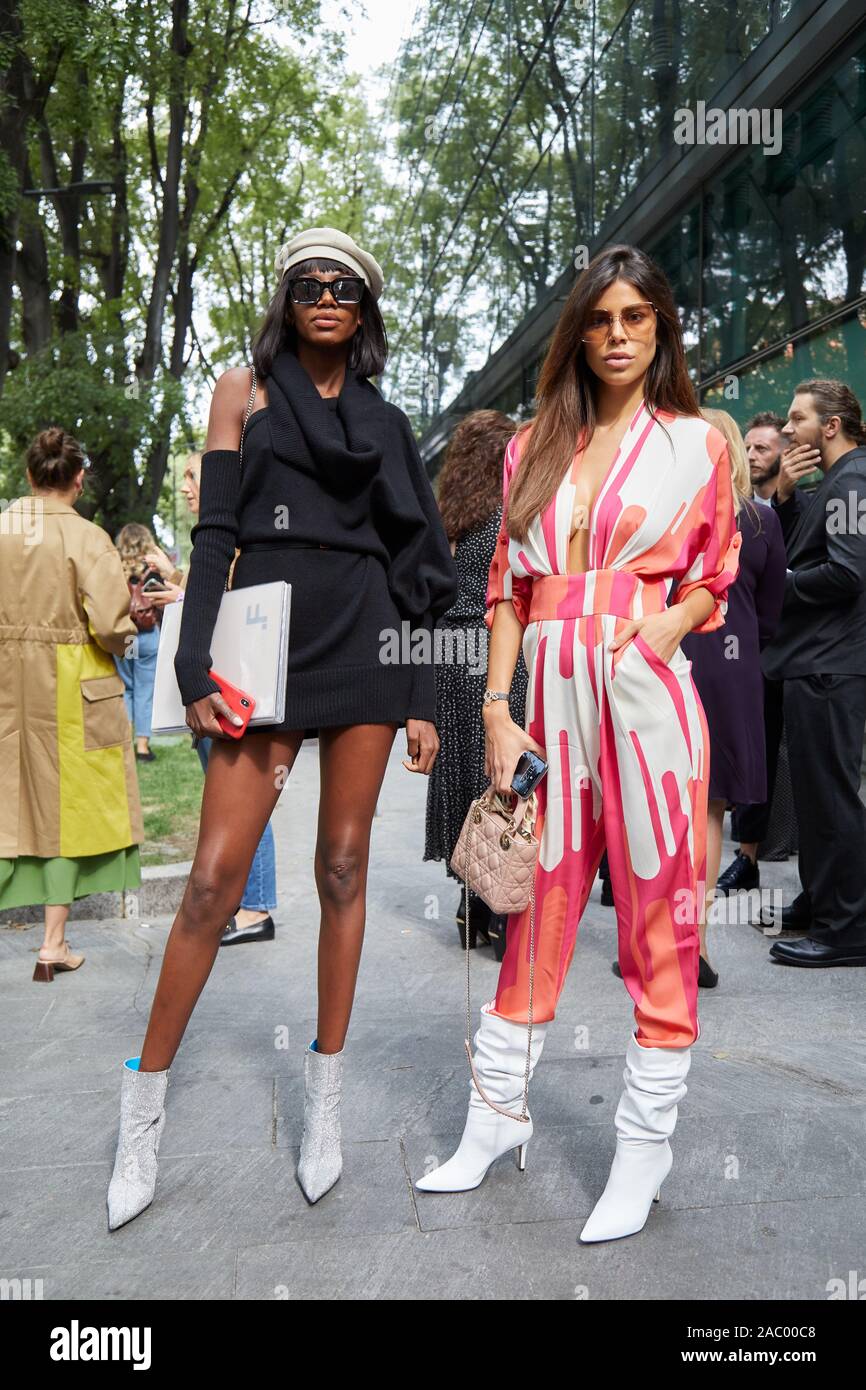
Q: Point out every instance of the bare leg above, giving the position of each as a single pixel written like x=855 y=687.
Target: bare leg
x=55 y=928
x=240 y=793
x=352 y=761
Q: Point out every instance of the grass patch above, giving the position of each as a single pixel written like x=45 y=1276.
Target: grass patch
x=171 y=789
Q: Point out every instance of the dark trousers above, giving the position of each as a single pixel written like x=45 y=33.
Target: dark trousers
x=749 y=824
x=825 y=717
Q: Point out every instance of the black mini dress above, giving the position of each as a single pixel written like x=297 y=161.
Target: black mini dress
x=340 y=604
x=332 y=498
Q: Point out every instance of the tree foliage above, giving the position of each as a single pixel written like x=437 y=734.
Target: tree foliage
x=218 y=129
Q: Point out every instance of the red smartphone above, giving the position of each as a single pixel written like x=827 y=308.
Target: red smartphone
x=238 y=701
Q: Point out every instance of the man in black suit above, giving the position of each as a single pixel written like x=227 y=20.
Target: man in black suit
x=819 y=650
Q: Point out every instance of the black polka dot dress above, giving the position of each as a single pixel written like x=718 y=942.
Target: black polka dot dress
x=461 y=679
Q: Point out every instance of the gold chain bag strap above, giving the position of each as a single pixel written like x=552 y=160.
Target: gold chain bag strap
x=247 y=413
x=496 y=856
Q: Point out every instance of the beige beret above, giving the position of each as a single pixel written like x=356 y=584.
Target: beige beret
x=334 y=245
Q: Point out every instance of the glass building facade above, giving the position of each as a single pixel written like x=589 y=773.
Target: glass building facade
x=780 y=253
x=766 y=251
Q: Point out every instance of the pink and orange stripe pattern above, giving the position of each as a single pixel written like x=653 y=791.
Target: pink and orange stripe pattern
x=625 y=734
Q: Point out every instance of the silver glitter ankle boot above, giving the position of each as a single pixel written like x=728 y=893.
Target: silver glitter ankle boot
x=142 y=1117
x=321 y=1161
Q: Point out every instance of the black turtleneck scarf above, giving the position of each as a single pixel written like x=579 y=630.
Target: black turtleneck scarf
x=348 y=478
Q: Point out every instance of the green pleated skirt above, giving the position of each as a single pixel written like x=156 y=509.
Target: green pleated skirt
x=29 y=881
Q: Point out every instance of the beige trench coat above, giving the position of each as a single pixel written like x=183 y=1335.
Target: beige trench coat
x=68 y=783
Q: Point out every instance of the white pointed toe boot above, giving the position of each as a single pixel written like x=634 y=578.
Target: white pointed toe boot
x=321 y=1161
x=655 y=1083
x=500 y=1064
x=142 y=1119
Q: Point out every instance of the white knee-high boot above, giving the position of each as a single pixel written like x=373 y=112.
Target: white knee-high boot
x=655 y=1083
x=500 y=1063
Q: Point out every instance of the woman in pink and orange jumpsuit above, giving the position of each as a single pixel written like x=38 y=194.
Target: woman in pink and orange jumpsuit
x=612 y=705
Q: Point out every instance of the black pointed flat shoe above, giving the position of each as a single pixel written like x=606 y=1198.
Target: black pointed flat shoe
x=816 y=953
x=259 y=931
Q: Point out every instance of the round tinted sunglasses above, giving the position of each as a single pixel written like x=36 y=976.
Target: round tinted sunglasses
x=347 y=289
x=637 y=321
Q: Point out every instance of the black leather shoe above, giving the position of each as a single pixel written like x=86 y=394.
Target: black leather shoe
x=741 y=873
x=797 y=917
x=479 y=922
x=259 y=931
x=816 y=953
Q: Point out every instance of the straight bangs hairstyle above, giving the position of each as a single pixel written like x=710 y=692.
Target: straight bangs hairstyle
x=566 y=395
x=368 y=352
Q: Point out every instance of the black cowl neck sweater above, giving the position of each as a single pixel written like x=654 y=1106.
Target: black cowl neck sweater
x=356 y=481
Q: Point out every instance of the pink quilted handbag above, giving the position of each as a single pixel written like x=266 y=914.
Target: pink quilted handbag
x=496 y=851
x=496 y=856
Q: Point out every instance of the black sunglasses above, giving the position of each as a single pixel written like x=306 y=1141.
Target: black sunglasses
x=347 y=289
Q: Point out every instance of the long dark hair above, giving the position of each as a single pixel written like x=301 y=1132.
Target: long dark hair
x=470 y=484
x=566 y=391
x=368 y=351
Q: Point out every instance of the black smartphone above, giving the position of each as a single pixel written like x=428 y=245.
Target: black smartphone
x=528 y=773
x=153 y=585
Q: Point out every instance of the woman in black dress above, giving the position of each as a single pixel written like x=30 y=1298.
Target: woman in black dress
x=470 y=500
x=726 y=665
x=334 y=499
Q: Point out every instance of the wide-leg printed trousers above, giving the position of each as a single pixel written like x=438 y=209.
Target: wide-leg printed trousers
x=628 y=767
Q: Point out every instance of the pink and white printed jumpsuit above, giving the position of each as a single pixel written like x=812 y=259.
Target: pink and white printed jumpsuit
x=625 y=734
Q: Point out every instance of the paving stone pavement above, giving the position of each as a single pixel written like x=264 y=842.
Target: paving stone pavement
x=766 y=1198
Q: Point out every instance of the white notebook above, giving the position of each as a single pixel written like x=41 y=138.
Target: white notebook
x=250 y=648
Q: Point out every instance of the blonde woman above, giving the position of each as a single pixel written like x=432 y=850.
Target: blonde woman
x=137 y=670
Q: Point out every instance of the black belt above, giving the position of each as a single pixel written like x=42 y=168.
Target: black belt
x=281 y=545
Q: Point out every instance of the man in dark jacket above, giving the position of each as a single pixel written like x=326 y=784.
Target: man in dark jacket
x=819 y=650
